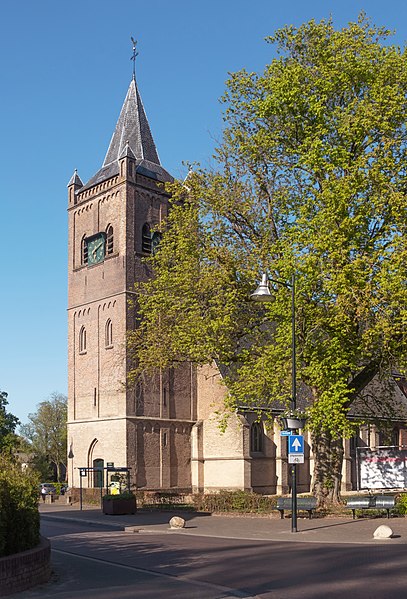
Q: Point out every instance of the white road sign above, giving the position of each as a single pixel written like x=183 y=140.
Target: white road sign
x=295 y=458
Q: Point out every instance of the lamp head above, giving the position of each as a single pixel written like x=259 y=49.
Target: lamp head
x=262 y=293
x=70 y=454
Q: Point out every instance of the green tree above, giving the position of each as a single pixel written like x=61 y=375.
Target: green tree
x=46 y=431
x=8 y=424
x=311 y=180
x=19 y=517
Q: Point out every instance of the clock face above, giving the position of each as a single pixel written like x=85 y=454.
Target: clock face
x=96 y=248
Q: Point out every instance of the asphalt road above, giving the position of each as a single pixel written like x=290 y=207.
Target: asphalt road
x=95 y=563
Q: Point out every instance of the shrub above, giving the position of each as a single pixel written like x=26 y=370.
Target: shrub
x=234 y=501
x=401 y=504
x=19 y=517
x=90 y=496
x=124 y=495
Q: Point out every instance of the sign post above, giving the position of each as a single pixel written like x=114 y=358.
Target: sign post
x=295 y=456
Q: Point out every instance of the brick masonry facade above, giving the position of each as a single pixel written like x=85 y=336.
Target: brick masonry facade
x=148 y=428
x=167 y=429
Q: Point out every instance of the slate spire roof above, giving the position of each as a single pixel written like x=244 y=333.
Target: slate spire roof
x=132 y=137
x=75 y=179
x=132 y=128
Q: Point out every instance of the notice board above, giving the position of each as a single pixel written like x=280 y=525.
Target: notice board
x=382 y=468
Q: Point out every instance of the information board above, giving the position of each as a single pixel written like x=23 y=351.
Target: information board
x=383 y=468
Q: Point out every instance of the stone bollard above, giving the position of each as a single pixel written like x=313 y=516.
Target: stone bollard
x=383 y=532
x=177 y=522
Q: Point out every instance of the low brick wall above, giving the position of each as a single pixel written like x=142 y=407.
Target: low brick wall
x=24 y=570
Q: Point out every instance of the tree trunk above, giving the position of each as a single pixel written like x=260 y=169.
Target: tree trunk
x=58 y=469
x=328 y=454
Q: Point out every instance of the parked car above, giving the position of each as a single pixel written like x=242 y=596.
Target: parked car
x=49 y=488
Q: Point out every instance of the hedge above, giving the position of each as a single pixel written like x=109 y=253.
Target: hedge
x=19 y=517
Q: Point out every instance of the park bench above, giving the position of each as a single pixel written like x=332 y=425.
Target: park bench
x=371 y=502
x=306 y=504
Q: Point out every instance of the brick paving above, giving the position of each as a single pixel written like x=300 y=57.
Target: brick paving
x=272 y=528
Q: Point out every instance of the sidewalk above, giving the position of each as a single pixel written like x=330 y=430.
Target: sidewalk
x=318 y=530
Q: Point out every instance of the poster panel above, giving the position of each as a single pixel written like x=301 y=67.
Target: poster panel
x=384 y=468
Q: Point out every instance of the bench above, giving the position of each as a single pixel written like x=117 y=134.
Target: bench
x=306 y=504
x=371 y=502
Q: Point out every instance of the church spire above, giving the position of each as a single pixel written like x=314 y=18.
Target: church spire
x=132 y=137
x=132 y=128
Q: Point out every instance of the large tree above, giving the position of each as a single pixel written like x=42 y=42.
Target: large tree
x=310 y=179
x=8 y=424
x=46 y=432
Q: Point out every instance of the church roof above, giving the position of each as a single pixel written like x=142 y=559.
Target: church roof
x=132 y=137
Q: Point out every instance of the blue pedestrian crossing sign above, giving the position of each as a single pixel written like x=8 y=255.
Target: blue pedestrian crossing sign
x=296 y=444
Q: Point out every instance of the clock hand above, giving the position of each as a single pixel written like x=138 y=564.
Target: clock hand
x=95 y=249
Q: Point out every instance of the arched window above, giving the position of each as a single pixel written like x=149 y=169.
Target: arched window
x=108 y=333
x=146 y=239
x=109 y=240
x=82 y=340
x=256 y=437
x=84 y=250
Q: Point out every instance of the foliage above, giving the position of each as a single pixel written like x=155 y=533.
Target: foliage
x=42 y=465
x=57 y=486
x=123 y=495
x=223 y=501
x=47 y=434
x=234 y=501
x=90 y=496
x=19 y=518
x=294 y=413
x=311 y=180
x=8 y=424
x=401 y=504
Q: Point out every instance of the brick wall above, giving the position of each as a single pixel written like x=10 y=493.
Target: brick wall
x=24 y=570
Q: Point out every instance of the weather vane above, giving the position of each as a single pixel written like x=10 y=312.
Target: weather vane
x=133 y=57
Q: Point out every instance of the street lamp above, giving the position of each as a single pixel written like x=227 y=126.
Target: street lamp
x=263 y=294
x=70 y=457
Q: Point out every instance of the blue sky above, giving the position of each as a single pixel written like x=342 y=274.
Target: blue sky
x=65 y=68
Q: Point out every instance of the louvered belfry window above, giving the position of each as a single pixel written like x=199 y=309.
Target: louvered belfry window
x=109 y=240
x=84 y=250
x=82 y=340
x=109 y=333
x=146 y=239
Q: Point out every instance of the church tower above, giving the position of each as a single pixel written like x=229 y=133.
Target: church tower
x=111 y=222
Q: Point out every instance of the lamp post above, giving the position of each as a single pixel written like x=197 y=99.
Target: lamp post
x=70 y=457
x=263 y=294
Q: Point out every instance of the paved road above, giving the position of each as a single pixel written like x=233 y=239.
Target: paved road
x=92 y=561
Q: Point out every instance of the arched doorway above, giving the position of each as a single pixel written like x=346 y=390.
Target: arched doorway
x=98 y=473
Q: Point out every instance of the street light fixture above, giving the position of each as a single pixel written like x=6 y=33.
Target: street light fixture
x=263 y=295
x=70 y=457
